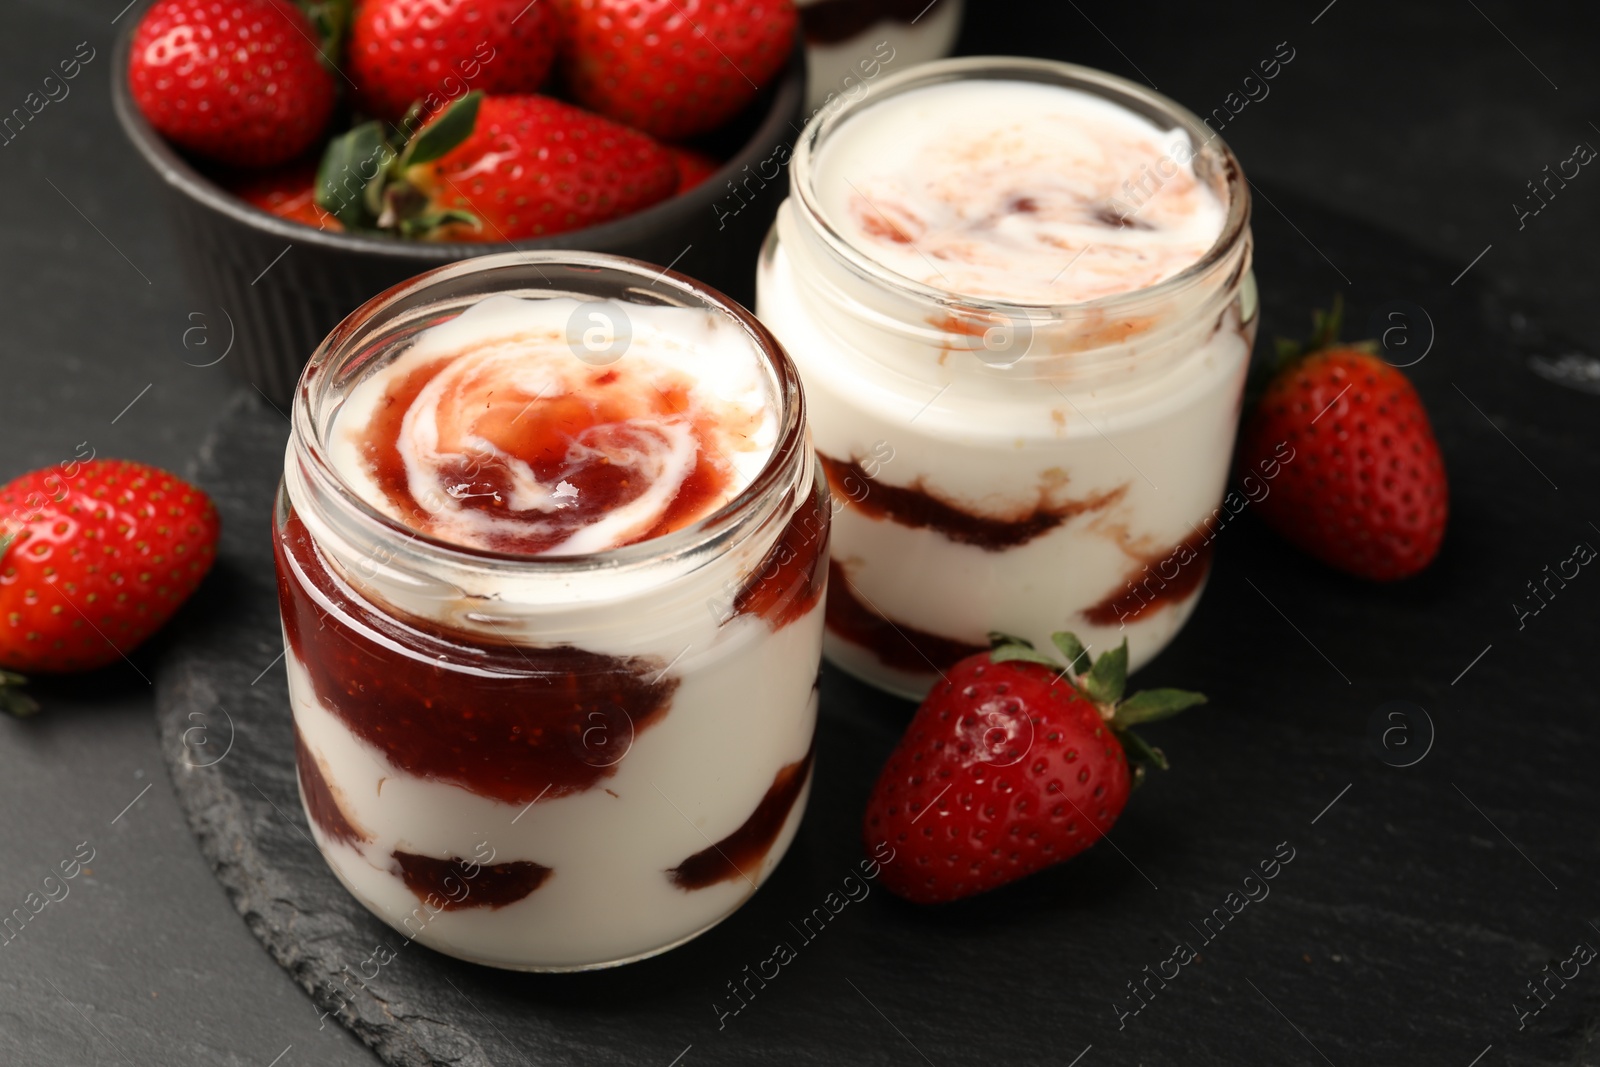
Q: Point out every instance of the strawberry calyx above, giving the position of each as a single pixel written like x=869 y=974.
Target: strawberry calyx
x=1103 y=682
x=365 y=177
x=1325 y=327
x=13 y=701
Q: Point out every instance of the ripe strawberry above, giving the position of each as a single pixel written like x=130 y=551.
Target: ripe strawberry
x=535 y=166
x=693 y=167
x=1363 y=487
x=403 y=51
x=236 y=81
x=290 y=192
x=674 y=68
x=496 y=168
x=1011 y=766
x=94 y=558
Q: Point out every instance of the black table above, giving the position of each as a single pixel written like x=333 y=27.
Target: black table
x=1425 y=119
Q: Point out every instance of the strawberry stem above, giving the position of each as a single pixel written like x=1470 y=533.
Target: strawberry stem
x=1325 y=329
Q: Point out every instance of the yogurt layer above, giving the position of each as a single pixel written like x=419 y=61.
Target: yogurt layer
x=515 y=427
x=1017 y=191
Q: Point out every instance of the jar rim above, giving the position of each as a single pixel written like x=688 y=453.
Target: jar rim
x=388 y=308
x=1129 y=94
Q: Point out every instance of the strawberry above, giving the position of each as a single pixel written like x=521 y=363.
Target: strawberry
x=403 y=51
x=94 y=558
x=495 y=168
x=693 y=167
x=674 y=68
x=1012 y=765
x=1358 y=481
x=290 y=192
x=236 y=81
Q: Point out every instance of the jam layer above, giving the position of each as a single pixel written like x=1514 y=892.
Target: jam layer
x=789 y=581
x=896 y=645
x=915 y=507
x=739 y=855
x=322 y=803
x=453 y=884
x=1169 y=576
x=503 y=721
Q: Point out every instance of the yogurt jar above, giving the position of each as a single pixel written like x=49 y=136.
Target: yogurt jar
x=1029 y=284
x=848 y=40
x=550 y=547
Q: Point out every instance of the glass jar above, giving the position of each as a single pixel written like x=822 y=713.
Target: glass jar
x=549 y=762
x=1025 y=468
x=849 y=42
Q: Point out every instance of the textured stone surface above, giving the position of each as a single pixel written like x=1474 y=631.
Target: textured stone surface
x=1407 y=920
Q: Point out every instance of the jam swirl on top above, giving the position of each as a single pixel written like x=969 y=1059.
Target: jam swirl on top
x=508 y=440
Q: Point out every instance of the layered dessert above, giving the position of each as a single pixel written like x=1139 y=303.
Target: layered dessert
x=847 y=41
x=553 y=627
x=1031 y=281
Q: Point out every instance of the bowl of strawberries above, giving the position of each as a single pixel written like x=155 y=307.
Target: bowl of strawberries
x=314 y=153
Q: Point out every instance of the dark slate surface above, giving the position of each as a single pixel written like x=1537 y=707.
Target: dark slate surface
x=1425 y=118
x=1418 y=902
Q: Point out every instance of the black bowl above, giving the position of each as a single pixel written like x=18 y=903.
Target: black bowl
x=283 y=286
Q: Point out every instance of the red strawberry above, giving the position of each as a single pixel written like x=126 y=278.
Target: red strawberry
x=94 y=558
x=693 y=167
x=289 y=192
x=674 y=68
x=496 y=168
x=1011 y=766
x=535 y=166
x=1357 y=478
x=237 y=81
x=403 y=51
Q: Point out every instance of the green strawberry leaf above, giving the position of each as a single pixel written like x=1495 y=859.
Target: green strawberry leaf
x=1152 y=705
x=13 y=701
x=1006 y=653
x=351 y=177
x=436 y=139
x=1109 y=675
x=998 y=638
x=1141 y=751
x=1072 y=649
x=428 y=221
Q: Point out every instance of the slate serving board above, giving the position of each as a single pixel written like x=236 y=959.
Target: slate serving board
x=1419 y=902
